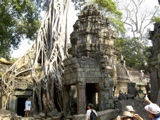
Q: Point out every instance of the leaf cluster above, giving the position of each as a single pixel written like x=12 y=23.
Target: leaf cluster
x=18 y=20
x=135 y=53
x=155 y=19
x=108 y=8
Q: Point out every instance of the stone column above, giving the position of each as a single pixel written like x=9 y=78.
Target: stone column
x=154 y=84
x=101 y=99
x=81 y=99
x=103 y=96
x=13 y=103
x=66 y=101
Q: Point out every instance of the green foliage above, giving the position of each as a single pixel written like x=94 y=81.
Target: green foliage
x=155 y=19
x=18 y=20
x=109 y=6
x=135 y=53
x=13 y=60
x=41 y=5
x=110 y=9
x=118 y=25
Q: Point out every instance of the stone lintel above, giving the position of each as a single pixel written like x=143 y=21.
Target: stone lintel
x=27 y=93
x=23 y=85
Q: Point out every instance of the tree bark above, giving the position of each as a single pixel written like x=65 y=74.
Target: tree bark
x=43 y=60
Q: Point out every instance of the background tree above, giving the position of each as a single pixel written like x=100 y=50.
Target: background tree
x=138 y=15
x=134 y=52
x=19 y=19
x=41 y=5
x=107 y=8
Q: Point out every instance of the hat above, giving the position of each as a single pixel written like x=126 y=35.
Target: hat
x=152 y=108
x=126 y=114
x=129 y=108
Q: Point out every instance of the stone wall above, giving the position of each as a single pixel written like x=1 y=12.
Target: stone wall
x=154 y=62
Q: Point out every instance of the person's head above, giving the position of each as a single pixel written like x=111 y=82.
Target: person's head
x=126 y=115
x=130 y=109
x=153 y=110
x=90 y=106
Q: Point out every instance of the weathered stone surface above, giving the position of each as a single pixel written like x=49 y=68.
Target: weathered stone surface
x=94 y=66
x=92 y=58
x=79 y=117
x=154 y=62
x=108 y=114
x=42 y=114
x=27 y=118
x=7 y=118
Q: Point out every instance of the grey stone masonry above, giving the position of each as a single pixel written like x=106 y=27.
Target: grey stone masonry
x=154 y=62
x=91 y=65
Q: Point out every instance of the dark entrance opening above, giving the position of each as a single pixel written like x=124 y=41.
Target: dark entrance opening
x=92 y=94
x=21 y=106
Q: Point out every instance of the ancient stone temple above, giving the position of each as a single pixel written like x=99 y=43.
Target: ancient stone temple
x=130 y=81
x=91 y=74
x=155 y=62
x=91 y=68
x=23 y=88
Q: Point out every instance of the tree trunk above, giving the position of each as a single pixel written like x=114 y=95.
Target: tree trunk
x=43 y=61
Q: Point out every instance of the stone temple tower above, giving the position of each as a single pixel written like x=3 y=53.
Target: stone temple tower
x=91 y=68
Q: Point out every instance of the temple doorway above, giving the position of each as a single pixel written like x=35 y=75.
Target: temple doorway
x=92 y=94
x=21 y=106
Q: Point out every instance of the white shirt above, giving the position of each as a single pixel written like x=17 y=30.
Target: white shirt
x=88 y=114
x=27 y=105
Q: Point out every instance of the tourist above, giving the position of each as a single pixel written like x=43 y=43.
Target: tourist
x=27 y=107
x=132 y=114
x=152 y=109
x=126 y=115
x=91 y=113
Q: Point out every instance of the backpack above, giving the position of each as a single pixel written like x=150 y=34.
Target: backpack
x=93 y=116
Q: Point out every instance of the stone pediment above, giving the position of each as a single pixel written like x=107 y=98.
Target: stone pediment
x=23 y=85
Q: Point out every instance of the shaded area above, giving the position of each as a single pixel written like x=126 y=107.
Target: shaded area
x=21 y=106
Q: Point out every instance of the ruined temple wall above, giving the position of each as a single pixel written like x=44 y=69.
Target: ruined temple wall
x=154 y=62
x=155 y=85
x=130 y=81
